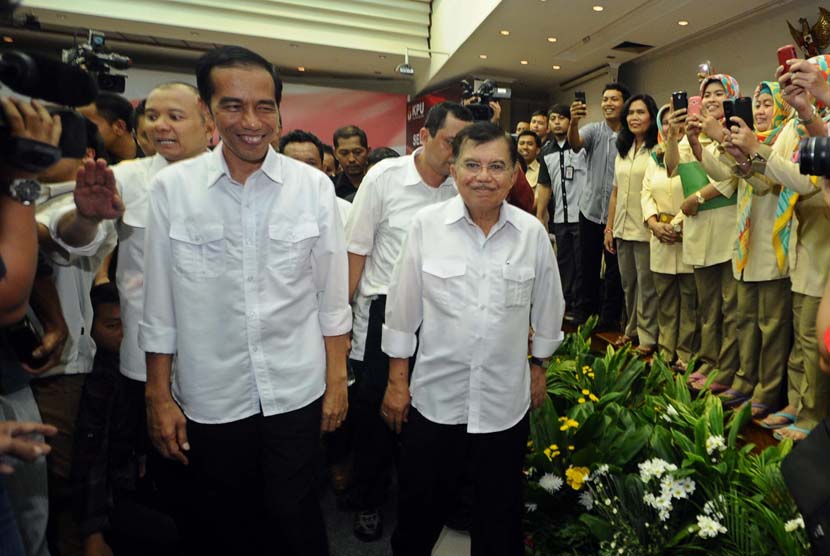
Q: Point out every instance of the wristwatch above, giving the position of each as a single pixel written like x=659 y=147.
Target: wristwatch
x=700 y=198
x=24 y=191
x=538 y=362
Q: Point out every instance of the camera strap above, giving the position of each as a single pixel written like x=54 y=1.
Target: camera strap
x=562 y=177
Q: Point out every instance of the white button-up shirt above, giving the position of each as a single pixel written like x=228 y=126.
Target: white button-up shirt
x=132 y=178
x=385 y=203
x=73 y=276
x=242 y=283
x=472 y=298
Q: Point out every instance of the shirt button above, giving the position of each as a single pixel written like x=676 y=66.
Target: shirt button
x=250 y=278
x=256 y=349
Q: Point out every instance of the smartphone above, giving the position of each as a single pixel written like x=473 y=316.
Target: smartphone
x=728 y=112
x=580 y=96
x=679 y=100
x=785 y=53
x=24 y=339
x=705 y=68
x=743 y=110
x=695 y=103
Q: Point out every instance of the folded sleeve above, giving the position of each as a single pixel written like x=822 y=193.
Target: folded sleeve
x=404 y=302
x=364 y=216
x=157 y=329
x=547 y=304
x=330 y=267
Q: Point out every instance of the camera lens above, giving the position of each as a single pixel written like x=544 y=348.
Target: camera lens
x=814 y=156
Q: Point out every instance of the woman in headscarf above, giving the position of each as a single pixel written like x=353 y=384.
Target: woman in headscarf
x=764 y=294
x=674 y=281
x=635 y=142
x=805 y=246
x=708 y=235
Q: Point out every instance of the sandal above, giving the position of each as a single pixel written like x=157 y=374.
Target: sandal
x=622 y=341
x=644 y=351
x=788 y=419
x=760 y=410
x=796 y=434
x=732 y=398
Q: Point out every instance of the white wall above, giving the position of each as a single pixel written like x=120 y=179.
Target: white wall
x=746 y=50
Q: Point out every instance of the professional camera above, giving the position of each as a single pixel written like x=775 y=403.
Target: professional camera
x=814 y=156
x=487 y=91
x=91 y=57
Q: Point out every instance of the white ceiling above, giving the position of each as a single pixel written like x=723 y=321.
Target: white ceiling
x=361 y=41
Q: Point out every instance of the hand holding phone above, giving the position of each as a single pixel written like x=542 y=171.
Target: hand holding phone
x=581 y=97
x=728 y=112
x=743 y=110
x=787 y=52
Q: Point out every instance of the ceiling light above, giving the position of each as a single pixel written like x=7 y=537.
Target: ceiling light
x=556 y=67
x=597 y=8
x=382 y=56
x=7 y=38
x=61 y=17
x=300 y=68
x=523 y=62
x=483 y=56
x=504 y=33
x=551 y=39
x=682 y=22
x=194 y=33
x=292 y=45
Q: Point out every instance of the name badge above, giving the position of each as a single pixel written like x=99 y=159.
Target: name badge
x=569 y=172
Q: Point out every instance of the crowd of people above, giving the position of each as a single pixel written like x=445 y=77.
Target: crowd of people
x=218 y=324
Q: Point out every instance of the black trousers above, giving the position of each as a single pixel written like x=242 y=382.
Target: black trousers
x=374 y=443
x=254 y=485
x=434 y=457
x=568 y=257
x=605 y=301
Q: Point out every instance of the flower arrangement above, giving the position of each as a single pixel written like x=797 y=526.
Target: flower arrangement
x=624 y=459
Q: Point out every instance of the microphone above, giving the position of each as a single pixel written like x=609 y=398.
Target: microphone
x=47 y=79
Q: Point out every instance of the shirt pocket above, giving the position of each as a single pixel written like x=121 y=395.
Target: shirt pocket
x=518 y=285
x=444 y=282
x=400 y=221
x=290 y=244
x=198 y=250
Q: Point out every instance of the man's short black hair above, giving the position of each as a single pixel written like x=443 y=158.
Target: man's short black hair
x=113 y=107
x=300 y=136
x=104 y=293
x=616 y=86
x=528 y=133
x=539 y=112
x=561 y=109
x=381 y=153
x=350 y=131
x=437 y=115
x=484 y=132
x=231 y=57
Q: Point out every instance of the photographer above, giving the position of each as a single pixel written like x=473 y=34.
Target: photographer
x=27 y=121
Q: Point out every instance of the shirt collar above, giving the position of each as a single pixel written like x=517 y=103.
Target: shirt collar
x=217 y=166
x=457 y=210
x=413 y=177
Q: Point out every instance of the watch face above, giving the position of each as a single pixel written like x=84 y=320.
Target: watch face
x=25 y=191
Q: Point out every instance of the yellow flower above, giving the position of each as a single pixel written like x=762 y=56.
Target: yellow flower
x=551 y=452
x=568 y=424
x=581 y=400
x=530 y=444
x=591 y=374
x=593 y=398
x=571 y=447
x=576 y=476
x=586 y=369
x=585 y=391
x=553 y=447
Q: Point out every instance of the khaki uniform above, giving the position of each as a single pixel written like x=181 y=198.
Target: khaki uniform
x=673 y=280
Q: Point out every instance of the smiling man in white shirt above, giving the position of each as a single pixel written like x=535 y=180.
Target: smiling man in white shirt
x=245 y=282
x=474 y=272
x=390 y=195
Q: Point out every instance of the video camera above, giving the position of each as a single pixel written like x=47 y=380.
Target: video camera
x=91 y=56
x=487 y=92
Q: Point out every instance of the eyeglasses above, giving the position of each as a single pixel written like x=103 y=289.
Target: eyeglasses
x=495 y=169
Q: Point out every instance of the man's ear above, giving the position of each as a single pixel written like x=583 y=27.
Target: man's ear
x=452 y=171
x=120 y=127
x=423 y=135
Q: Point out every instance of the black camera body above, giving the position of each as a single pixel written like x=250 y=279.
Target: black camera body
x=487 y=92
x=92 y=57
x=814 y=156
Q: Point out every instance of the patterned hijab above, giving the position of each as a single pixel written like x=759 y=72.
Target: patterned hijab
x=782 y=112
x=730 y=85
x=659 y=151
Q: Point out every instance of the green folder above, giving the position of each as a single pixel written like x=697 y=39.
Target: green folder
x=694 y=178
